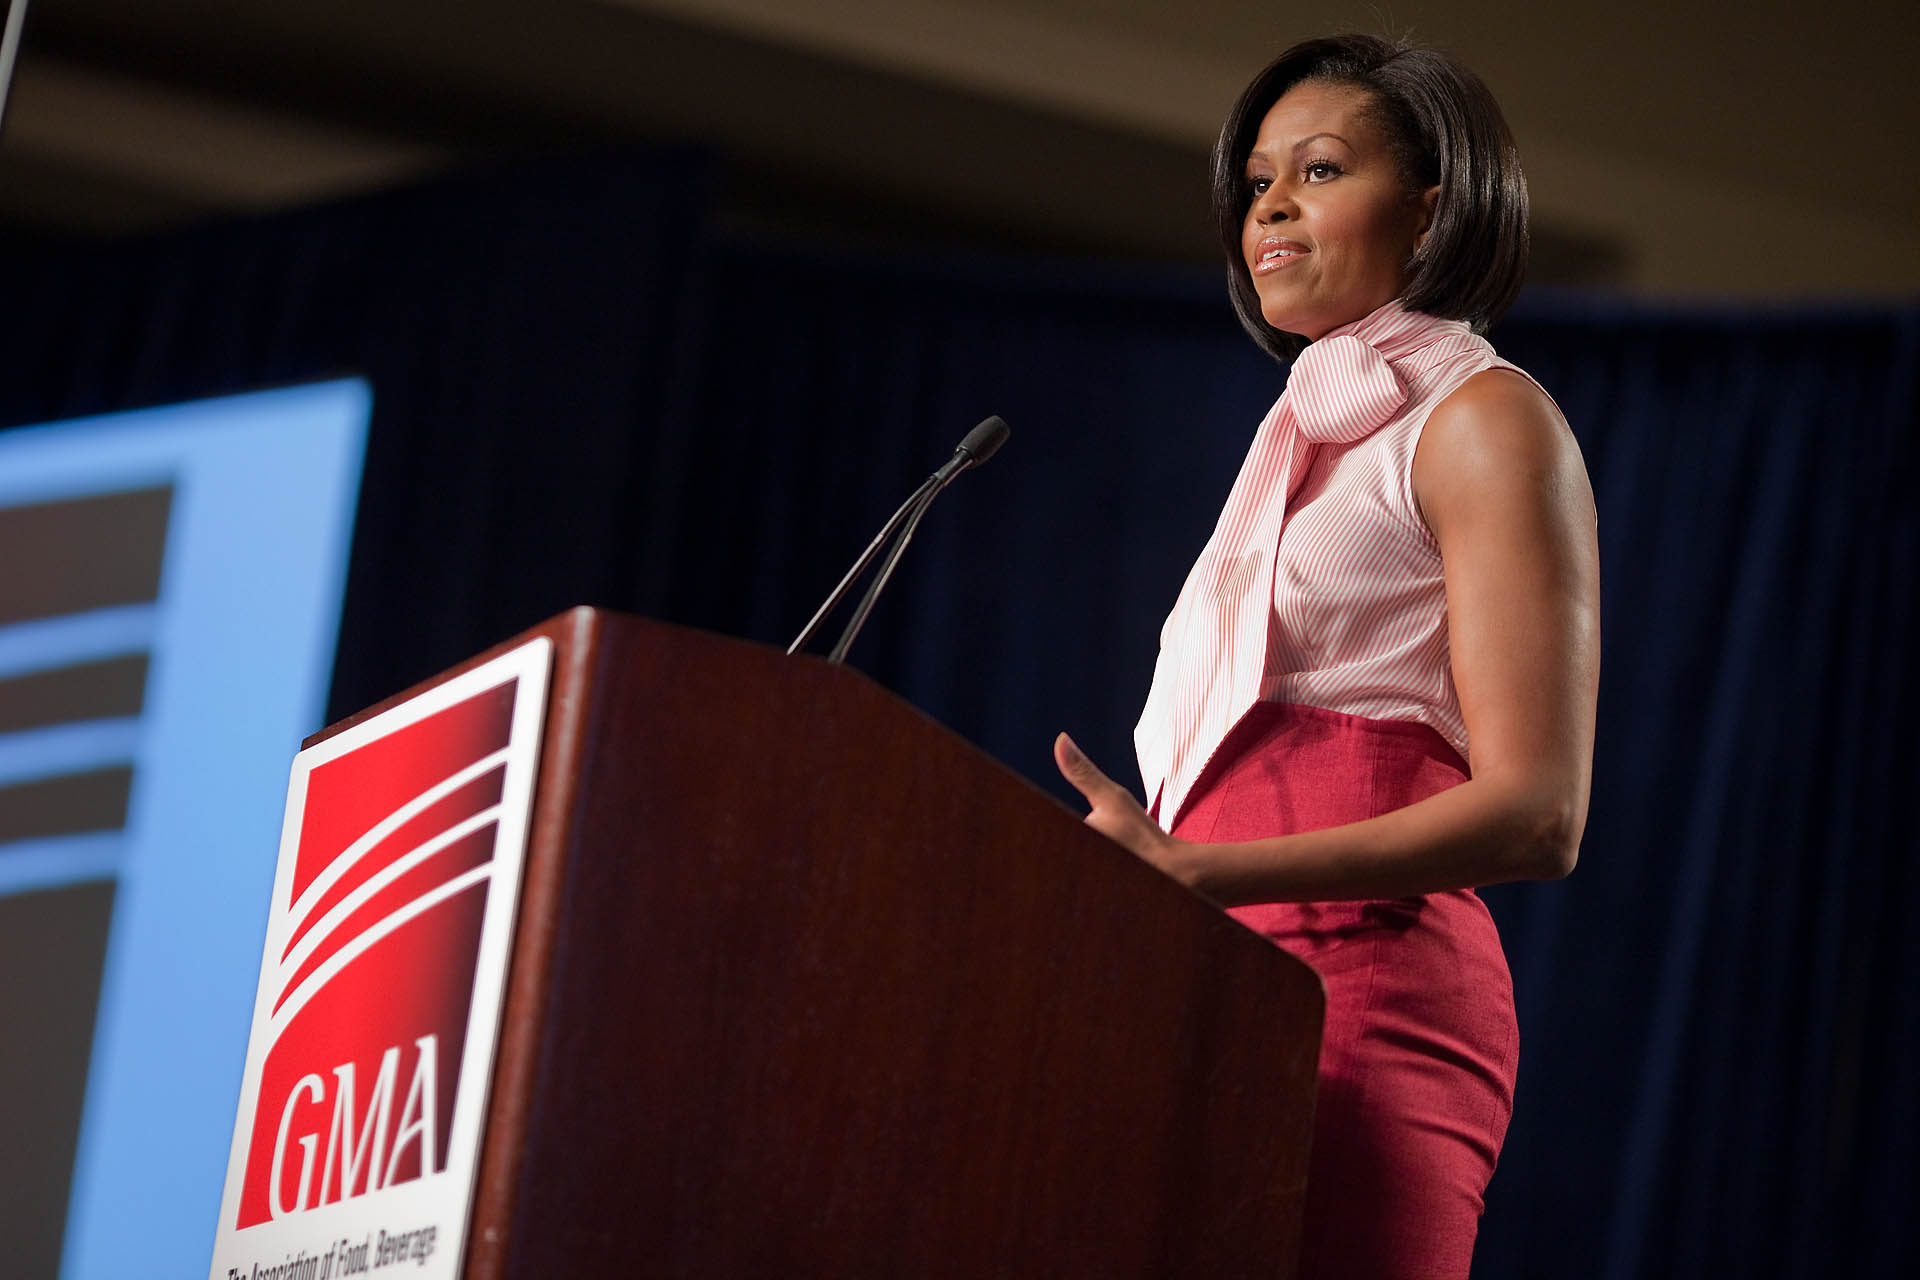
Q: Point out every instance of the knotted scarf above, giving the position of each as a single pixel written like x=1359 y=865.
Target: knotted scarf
x=1214 y=646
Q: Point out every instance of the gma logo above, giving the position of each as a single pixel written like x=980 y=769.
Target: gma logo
x=364 y=1149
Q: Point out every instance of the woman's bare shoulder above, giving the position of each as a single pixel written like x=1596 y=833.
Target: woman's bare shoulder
x=1496 y=432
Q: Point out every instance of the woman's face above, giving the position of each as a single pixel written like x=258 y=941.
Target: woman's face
x=1332 y=224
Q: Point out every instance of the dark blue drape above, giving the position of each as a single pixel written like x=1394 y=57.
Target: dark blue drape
x=1721 y=1005
x=586 y=392
x=518 y=332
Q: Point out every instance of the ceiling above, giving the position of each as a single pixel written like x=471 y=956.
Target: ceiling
x=1679 y=149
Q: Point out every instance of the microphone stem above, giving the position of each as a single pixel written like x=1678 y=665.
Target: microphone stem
x=839 y=653
x=980 y=444
x=923 y=494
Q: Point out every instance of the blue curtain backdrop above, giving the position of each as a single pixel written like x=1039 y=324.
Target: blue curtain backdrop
x=587 y=392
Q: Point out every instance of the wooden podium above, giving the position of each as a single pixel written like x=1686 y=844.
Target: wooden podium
x=805 y=985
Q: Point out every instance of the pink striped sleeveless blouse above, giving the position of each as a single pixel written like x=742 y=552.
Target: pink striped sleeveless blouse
x=1321 y=584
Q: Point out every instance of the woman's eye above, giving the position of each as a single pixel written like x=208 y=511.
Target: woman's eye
x=1321 y=170
x=1259 y=185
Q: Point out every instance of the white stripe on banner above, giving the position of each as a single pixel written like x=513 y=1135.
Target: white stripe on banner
x=54 y=862
x=75 y=747
x=45 y=643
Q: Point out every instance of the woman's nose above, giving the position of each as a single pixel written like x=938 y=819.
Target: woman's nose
x=1275 y=204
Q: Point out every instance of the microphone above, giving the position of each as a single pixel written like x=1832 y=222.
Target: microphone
x=980 y=444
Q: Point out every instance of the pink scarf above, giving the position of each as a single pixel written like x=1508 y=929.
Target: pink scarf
x=1213 y=648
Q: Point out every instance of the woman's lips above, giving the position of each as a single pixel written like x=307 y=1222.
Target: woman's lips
x=1276 y=255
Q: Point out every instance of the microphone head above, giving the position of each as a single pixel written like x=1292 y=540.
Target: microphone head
x=983 y=440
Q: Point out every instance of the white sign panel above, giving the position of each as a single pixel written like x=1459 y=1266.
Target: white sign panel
x=358 y=1135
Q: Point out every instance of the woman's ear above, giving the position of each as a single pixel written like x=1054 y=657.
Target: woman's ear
x=1429 y=201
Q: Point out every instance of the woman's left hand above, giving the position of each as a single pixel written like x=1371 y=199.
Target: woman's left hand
x=1118 y=816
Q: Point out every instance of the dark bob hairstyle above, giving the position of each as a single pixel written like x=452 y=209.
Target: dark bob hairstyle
x=1445 y=129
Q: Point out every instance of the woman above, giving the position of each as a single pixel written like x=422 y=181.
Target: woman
x=1376 y=689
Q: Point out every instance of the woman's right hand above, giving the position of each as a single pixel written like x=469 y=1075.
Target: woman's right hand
x=1116 y=815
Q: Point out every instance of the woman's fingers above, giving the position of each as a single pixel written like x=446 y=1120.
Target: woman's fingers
x=1115 y=813
x=1114 y=807
x=1080 y=771
x=1112 y=803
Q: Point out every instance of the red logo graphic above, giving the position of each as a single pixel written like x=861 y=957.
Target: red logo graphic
x=372 y=988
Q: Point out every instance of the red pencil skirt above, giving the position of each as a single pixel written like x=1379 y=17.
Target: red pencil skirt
x=1418 y=1056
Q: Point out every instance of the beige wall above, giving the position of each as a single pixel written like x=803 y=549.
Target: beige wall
x=1757 y=150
